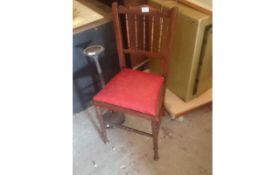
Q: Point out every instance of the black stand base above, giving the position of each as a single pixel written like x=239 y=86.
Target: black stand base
x=113 y=118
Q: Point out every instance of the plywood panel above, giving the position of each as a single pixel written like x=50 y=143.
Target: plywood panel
x=84 y=15
x=204 y=6
x=176 y=107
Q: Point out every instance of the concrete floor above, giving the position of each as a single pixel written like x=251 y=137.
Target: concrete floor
x=185 y=148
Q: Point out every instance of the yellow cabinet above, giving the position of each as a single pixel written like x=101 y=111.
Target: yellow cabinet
x=187 y=49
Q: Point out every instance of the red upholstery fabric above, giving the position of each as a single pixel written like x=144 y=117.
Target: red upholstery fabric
x=134 y=90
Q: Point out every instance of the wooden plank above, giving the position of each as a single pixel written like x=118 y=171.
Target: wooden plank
x=196 y=5
x=177 y=107
x=84 y=15
x=96 y=7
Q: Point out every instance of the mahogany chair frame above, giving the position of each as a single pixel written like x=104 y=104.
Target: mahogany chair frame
x=164 y=54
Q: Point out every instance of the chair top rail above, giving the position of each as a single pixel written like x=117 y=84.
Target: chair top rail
x=144 y=10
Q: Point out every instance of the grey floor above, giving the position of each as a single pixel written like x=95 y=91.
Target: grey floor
x=185 y=148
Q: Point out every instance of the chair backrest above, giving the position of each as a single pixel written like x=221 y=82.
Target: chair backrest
x=152 y=38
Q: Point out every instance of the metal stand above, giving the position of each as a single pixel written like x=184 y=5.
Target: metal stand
x=110 y=118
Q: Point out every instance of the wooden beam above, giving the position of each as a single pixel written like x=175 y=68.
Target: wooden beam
x=177 y=107
x=195 y=6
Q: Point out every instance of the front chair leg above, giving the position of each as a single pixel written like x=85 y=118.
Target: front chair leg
x=155 y=131
x=162 y=112
x=102 y=125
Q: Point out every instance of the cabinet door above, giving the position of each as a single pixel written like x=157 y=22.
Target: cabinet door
x=205 y=74
x=85 y=78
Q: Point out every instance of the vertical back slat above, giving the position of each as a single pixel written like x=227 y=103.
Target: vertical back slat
x=152 y=34
x=156 y=33
x=136 y=31
x=140 y=32
x=165 y=30
x=160 y=33
x=144 y=32
x=131 y=26
x=127 y=31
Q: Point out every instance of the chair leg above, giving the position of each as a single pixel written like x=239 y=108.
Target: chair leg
x=102 y=125
x=155 y=131
x=162 y=112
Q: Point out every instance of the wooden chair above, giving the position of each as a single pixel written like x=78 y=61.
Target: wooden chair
x=132 y=91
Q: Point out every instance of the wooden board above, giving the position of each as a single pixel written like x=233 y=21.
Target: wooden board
x=177 y=107
x=85 y=19
x=84 y=15
x=204 y=6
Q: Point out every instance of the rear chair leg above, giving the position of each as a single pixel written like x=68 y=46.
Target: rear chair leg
x=162 y=112
x=155 y=131
x=102 y=125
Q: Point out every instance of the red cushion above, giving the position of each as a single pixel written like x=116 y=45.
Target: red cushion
x=134 y=90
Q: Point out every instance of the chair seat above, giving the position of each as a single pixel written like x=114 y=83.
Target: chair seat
x=134 y=90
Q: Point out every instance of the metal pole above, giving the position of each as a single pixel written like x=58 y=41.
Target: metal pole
x=99 y=70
